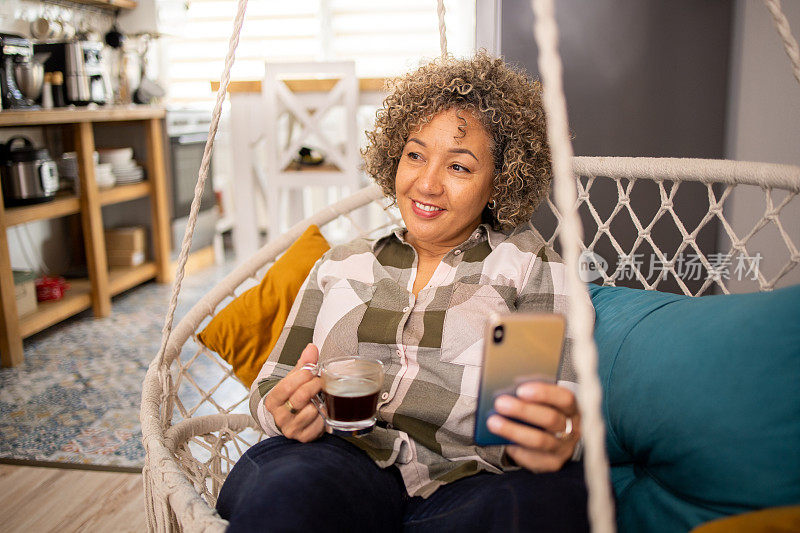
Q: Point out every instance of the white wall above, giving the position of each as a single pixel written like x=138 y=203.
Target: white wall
x=763 y=125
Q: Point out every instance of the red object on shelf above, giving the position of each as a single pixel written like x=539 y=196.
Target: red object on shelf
x=50 y=288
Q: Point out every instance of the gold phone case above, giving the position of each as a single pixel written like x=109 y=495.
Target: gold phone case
x=530 y=350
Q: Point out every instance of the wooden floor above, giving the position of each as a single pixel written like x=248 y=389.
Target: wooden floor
x=35 y=499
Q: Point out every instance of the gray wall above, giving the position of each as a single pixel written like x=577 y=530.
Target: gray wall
x=642 y=78
x=763 y=125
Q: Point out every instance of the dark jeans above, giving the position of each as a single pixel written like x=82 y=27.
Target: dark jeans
x=331 y=485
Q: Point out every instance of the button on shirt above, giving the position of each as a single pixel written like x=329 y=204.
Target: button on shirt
x=358 y=300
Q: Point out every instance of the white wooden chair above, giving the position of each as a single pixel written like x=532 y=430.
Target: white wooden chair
x=280 y=181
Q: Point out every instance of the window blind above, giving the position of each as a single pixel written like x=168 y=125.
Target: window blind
x=383 y=37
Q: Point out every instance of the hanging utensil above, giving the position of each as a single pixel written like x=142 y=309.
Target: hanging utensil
x=148 y=89
x=115 y=38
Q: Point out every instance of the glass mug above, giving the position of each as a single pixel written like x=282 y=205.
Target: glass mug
x=350 y=389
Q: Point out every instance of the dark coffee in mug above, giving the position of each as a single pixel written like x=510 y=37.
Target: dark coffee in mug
x=351 y=399
x=350 y=388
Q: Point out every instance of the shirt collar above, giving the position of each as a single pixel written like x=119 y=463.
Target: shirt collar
x=482 y=233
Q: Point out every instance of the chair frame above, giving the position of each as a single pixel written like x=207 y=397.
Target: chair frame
x=308 y=110
x=181 y=488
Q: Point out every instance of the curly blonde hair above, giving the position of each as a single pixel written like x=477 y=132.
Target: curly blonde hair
x=509 y=106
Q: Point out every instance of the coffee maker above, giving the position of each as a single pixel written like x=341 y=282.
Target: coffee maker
x=14 y=50
x=85 y=77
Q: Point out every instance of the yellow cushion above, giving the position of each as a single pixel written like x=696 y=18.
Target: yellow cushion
x=245 y=332
x=775 y=520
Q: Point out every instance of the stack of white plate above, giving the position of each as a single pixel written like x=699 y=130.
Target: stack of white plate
x=104 y=176
x=123 y=166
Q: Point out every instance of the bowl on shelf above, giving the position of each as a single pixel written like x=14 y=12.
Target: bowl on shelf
x=116 y=156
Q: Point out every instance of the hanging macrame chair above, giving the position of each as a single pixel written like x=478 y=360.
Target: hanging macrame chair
x=192 y=440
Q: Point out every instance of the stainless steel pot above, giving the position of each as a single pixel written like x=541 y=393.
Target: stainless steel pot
x=28 y=173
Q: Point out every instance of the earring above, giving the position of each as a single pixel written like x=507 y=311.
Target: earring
x=491 y=205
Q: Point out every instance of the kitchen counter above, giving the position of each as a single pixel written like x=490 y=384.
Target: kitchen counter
x=71 y=115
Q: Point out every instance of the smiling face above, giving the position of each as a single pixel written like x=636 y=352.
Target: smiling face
x=444 y=180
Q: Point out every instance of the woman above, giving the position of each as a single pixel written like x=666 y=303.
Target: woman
x=460 y=146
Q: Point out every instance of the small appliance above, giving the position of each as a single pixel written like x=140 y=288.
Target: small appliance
x=30 y=78
x=16 y=54
x=85 y=75
x=28 y=173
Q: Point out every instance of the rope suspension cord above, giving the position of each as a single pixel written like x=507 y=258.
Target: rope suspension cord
x=442 y=28
x=601 y=508
x=789 y=42
x=198 y=191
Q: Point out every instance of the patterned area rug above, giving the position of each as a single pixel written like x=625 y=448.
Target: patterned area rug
x=76 y=398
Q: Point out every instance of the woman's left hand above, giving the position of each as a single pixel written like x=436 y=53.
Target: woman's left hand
x=545 y=405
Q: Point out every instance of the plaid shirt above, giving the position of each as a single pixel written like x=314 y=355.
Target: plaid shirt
x=358 y=299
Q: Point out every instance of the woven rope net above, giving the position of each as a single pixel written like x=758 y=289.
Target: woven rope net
x=195 y=417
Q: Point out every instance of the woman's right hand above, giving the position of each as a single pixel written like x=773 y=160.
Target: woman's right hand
x=295 y=391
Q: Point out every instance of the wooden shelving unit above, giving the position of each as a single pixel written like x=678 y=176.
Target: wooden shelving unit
x=78 y=298
x=47 y=117
x=122 y=279
x=96 y=291
x=60 y=207
x=124 y=193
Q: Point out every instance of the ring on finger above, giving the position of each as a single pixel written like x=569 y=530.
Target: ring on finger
x=567 y=430
x=290 y=407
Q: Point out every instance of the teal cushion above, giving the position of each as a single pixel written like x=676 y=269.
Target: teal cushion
x=702 y=403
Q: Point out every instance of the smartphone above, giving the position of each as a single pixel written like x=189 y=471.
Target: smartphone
x=517 y=348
